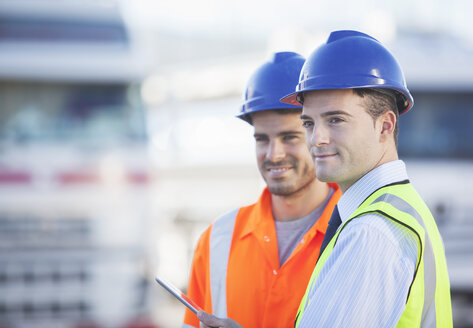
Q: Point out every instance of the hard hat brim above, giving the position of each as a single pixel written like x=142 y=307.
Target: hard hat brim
x=291 y=99
x=404 y=105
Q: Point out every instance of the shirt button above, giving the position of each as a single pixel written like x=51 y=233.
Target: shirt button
x=275 y=272
x=266 y=239
x=302 y=241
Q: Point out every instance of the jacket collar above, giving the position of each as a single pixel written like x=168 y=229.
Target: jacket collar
x=261 y=222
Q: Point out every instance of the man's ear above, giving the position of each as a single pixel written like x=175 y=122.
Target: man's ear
x=388 y=124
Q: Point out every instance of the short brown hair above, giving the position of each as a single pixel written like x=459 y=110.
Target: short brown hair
x=379 y=101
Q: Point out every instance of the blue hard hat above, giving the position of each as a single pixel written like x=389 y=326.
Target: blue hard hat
x=271 y=81
x=349 y=60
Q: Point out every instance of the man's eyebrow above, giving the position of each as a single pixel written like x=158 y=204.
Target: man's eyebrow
x=335 y=112
x=326 y=114
x=305 y=117
x=282 y=133
x=289 y=132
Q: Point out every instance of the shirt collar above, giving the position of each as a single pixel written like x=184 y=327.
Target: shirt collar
x=378 y=177
x=262 y=220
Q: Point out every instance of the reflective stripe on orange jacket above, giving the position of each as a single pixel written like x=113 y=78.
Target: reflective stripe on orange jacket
x=236 y=273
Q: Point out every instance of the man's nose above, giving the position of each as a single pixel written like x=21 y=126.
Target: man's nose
x=319 y=136
x=275 y=151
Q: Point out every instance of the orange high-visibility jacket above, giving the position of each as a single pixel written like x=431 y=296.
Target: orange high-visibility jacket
x=236 y=273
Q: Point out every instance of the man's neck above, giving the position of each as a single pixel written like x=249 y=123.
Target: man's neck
x=389 y=155
x=298 y=205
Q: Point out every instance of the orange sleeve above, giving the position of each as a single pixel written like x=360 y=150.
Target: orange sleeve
x=199 y=281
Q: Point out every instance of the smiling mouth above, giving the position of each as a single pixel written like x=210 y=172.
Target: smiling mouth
x=278 y=169
x=324 y=156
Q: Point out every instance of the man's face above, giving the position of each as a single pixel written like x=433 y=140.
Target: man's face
x=281 y=152
x=343 y=139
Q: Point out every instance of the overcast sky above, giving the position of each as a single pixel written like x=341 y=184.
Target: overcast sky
x=257 y=18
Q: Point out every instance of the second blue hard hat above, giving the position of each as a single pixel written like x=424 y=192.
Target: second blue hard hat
x=348 y=60
x=270 y=82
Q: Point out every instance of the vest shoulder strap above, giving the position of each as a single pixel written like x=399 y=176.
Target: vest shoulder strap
x=220 y=243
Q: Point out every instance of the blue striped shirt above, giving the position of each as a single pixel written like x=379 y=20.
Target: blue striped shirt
x=365 y=280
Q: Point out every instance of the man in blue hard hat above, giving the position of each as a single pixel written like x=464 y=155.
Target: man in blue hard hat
x=382 y=262
x=253 y=264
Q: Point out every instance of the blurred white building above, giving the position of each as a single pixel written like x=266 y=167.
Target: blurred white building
x=74 y=171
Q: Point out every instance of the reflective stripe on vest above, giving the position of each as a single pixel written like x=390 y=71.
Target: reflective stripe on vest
x=428 y=312
x=220 y=243
x=429 y=308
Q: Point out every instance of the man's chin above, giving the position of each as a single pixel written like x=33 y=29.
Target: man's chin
x=324 y=177
x=280 y=190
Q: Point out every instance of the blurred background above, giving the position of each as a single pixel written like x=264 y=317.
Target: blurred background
x=119 y=145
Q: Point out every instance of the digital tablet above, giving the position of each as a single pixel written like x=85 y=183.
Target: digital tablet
x=179 y=295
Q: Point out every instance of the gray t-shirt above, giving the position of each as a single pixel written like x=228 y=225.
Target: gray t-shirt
x=289 y=233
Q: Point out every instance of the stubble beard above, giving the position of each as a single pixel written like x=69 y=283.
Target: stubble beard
x=286 y=188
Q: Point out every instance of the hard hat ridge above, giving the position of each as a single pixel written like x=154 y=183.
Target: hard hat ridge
x=349 y=60
x=271 y=81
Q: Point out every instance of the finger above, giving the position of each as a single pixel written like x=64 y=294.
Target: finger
x=209 y=320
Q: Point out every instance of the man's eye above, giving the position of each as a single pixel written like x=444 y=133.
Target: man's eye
x=307 y=124
x=335 y=120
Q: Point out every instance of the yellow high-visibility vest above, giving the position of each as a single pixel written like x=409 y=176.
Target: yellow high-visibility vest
x=428 y=303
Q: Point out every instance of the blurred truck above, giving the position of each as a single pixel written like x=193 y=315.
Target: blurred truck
x=74 y=175
x=436 y=142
